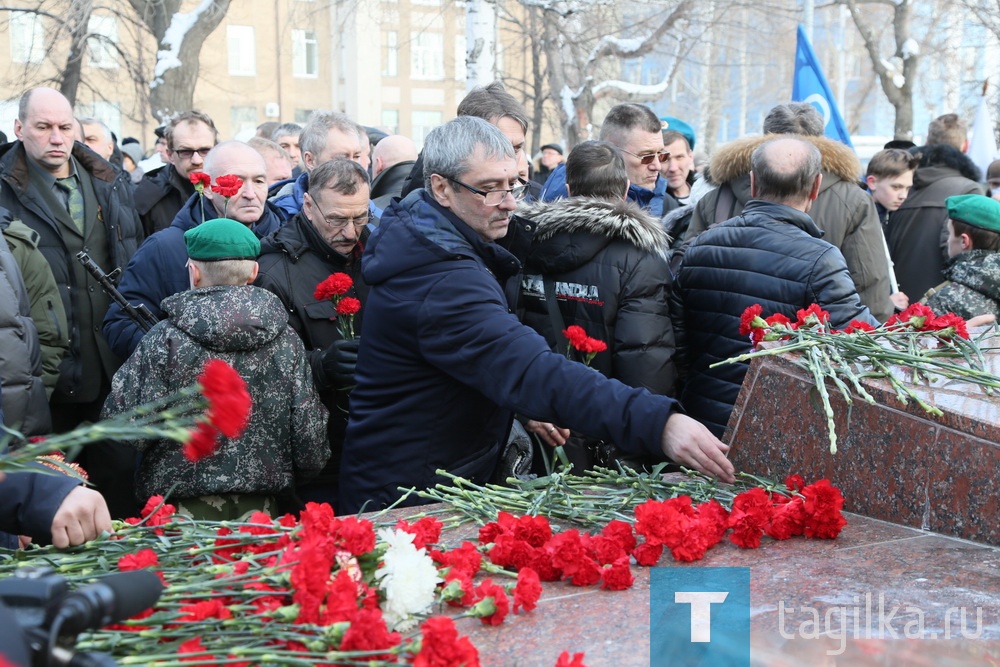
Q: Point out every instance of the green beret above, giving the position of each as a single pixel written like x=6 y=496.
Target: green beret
x=219 y=239
x=976 y=210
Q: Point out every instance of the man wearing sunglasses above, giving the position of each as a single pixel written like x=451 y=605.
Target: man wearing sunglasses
x=162 y=193
x=327 y=236
x=444 y=364
x=636 y=131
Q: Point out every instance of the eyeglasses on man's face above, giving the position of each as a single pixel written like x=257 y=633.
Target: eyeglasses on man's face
x=494 y=197
x=188 y=153
x=647 y=158
x=340 y=222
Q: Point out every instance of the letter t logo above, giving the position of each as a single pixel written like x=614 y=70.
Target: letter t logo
x=701 y=611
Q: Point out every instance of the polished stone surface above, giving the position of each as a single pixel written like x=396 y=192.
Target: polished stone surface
x=894 y=462
x=920 y=574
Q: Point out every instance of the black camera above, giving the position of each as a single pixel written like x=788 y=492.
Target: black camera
x=50 y=616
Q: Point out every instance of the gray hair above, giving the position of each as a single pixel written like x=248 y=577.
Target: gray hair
x=225 y=271
x=265 y=146
x=340 y=175
x=285 y=130
x=491 y=103
x=788 y=177
x=317 y=130
x=96 y=121
x=794 y=118
x=448 y=148
x=625 y=118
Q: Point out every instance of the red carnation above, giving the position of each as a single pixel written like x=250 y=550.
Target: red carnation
x=949 y=321
x=368 y=632
x=812 y=315
x=788 y=520
x=193 y=649
x=779 y=318
x=592 y=346
x=228 y=399
x=823 y=510
x=747 y=319
x=348 y=306
x=528 y=590
x=441 y=645
x=425 y=531
x=647 y=554
x=857 y=326
x=795 y=483
x=916 y=315
x=200 y=180
x=749 y=517
x=138 y=561
x=227 y=185
x=617 y=576
x=566 y=661
x=353 y=534
x=337 y=284
x=535 y=530
x=492 y=604
x=622 y=532
x=201 y=442
x=465 y=559
x=575 y=334
x=714 y=521
x=205 y=609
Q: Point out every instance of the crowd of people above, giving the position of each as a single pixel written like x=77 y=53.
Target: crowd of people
x=470 y=266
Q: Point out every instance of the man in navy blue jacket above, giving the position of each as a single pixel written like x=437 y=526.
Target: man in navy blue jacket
x=443 y=363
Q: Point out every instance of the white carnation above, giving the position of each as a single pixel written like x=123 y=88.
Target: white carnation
x=408 y=577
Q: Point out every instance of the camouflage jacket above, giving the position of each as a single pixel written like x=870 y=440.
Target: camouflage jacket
x=248 y=328
x=972 y=288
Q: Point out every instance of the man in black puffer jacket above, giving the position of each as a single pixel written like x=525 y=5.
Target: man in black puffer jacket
x=771 y=255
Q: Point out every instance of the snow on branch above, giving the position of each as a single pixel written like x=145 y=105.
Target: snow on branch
x=605 y=88
x=180 y=24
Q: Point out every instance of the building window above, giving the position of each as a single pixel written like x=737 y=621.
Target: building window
x=244 y=119
x=302 y=115
x=427 y=56
x=423 y=123
x=390 y=120
x=305 y=54
x=461 y=71
x=242 y=50
x=27 y=39
x=391 y=61
x=102 y=42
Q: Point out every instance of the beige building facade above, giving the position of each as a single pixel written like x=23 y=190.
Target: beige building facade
x=396 y=65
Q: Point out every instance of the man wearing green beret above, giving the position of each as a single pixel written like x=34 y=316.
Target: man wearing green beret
x=973 y=271
x=224 y=317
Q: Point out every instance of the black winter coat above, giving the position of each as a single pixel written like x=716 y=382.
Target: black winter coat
x=292 y=262
x=159 y=197
x=606 y=260
x=771 y=254
x=917 y=235
x=122 y=231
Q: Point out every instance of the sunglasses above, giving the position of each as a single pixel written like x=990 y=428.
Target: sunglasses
x=647 y=158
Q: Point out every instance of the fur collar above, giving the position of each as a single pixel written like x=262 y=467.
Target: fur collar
x=733 y=160
x=617 y=220
x=943 y=155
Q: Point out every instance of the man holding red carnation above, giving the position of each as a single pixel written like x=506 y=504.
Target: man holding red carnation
x=445 y=363
x=771 y=254
x=313 y=264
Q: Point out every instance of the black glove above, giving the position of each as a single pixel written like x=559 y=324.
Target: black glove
x=339 y=361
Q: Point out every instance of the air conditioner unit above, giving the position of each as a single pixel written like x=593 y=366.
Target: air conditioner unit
x=272 y=110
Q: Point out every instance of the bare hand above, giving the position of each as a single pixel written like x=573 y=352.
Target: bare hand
x=981 y=320
x=899 y=300
x=689 y=443
x=82 y=516
x=550 y=434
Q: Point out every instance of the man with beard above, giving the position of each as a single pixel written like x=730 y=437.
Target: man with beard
x=327 y=236
x=444 y=364
x=159 y=268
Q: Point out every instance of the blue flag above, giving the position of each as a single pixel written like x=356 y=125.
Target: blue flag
x=810 y=86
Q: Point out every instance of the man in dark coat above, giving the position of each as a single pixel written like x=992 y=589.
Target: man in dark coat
x=326 y=237
x=75 y=201
x=392 y=159
x=842 y=210
x=443 y=363
x=159 y=268
x=161 y=193
x=917 y=235
x=771 y=254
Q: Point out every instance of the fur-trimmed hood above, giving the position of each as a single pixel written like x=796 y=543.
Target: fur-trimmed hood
x=614 y=220
x=732 y=161
x=572 y=232
x=943 y=155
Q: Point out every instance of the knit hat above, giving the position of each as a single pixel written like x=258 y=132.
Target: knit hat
x=976 y=210
x=219 y=239
x=677 y=125
x=556 y=147
x=134 y=151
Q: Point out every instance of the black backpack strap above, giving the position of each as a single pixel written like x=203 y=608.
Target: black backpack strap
x=725 y=204
x=555 y=315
